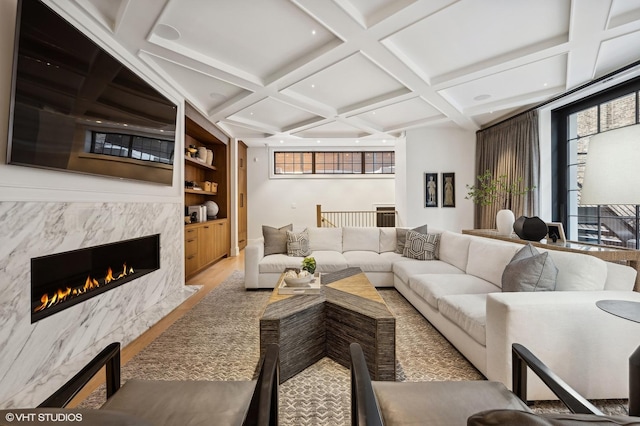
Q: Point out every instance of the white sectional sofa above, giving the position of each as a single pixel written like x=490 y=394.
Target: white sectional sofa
x=460 y=294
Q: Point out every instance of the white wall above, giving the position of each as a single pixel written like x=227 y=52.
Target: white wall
x=277 y=202
x=436 y=150
x=45 y=212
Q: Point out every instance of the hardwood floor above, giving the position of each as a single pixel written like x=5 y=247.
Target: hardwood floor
x=209 y=279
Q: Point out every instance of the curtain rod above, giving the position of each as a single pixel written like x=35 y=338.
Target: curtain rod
x=570 y=92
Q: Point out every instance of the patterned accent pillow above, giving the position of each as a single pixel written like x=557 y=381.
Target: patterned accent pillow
x=298 y=243
x=401 y=236
x=421 y=246
x=275 y=239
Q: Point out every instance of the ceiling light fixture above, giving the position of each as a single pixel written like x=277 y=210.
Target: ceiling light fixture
x=317 y=141
x=166 y=32
x=313 y=32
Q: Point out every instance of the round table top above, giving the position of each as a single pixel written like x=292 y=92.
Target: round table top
x=622 y=308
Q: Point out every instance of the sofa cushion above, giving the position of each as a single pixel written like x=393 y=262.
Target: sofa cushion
x=369 y=261
x=467 y=311
x=405 y=268
x=578 y=271
x=325 y=239
x=530 y=270
x=277 y=263
x=421 y=246
x=329 y=261
x=454 y=249
x=401 y=236
x=387 y=239
x=431 y=287
x=298 y=243
x=488 y=258
x=275 y=239
x=361 y=239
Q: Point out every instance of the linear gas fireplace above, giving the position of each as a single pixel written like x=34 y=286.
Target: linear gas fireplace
x=62 y=280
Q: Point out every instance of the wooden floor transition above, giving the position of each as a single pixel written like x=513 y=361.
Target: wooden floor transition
x=210 y=278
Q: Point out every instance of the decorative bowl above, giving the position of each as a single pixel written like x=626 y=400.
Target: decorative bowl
x=298 y=282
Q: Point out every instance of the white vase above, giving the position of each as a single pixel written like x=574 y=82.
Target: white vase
x=504 y=222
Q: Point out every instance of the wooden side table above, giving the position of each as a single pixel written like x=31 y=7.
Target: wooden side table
x=630 y=257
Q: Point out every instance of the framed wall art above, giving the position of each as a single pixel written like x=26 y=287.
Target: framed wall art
x=431 y=190
x=448 y=189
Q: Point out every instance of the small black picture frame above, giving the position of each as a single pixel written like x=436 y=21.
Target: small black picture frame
x=431 y=190
x=555 y=233
x=448 y=189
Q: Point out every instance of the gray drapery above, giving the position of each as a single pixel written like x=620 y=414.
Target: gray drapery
x=510 y=148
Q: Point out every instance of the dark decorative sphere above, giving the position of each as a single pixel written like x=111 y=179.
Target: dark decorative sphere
x=530 y=228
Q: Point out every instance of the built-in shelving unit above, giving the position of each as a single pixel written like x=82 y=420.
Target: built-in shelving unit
x=209 y=241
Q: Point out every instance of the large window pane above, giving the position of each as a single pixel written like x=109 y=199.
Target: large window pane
x=335 y=163
x=289 y=163
x=618 y=113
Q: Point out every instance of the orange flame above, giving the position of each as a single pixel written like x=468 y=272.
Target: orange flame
x=90 y=284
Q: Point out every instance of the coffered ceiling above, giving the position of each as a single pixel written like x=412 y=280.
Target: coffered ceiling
x=341 y=70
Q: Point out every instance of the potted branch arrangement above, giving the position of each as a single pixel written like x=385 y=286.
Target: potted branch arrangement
x=490 y=190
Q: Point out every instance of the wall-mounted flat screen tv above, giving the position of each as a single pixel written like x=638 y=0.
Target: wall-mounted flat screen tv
x=74 y=107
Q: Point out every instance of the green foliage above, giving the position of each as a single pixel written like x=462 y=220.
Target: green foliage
x=500 y=190
x=309 y=264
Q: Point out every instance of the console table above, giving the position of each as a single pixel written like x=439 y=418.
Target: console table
x=630 y=257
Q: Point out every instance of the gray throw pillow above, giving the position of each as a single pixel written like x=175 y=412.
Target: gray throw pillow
x=298 y=243
x=420 y=246
x=401 y=236
x=275 y=239
x=530 y=270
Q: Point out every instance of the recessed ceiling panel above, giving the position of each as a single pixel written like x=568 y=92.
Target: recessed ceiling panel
x=623 y=12
x=107 y=12
x=370 y=12
x=395 y=115
x=334 y=129
x=274 y=114
x=351 y=82
x=617 y=52
x=208 y=91
x=529 y=79
x=258 y=38
x=471 y=32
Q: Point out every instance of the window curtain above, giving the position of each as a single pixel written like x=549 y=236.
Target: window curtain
x=510 y=148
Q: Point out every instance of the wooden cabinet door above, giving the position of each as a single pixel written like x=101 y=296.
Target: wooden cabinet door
x=222 y=239
x=242 y=195
x=190 y=251
x=206 y=243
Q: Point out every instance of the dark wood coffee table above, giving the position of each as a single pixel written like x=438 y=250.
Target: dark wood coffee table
x=309 y=327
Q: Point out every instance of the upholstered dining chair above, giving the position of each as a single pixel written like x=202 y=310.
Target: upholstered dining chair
x=157 y=402
x=474 y=403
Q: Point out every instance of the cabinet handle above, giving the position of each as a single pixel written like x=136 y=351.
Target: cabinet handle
x=206 y=227
x=191 y=240
x=191 y=231
x=241 y=200
x=191 y=257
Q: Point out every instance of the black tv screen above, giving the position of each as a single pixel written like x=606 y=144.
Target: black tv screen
x=74 y=107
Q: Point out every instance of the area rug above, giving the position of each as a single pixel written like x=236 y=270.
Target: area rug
x=219 y=340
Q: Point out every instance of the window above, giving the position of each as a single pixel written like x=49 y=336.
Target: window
x=574 y=125
x=132 y=146
x=334 y=162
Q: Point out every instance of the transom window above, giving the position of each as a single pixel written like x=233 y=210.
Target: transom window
x=601 y=224
x=133 y=146
x=334 y=162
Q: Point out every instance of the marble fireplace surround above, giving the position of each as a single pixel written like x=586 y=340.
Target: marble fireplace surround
x=35 y=359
